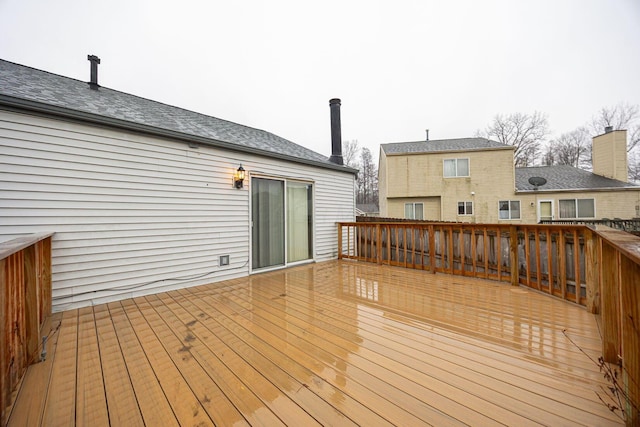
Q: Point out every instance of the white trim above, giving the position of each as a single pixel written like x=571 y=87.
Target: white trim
x=575 y=199
x=473 y=208
x=285 y=180
x=538 y=209
x=509 y=202
x=456 y=175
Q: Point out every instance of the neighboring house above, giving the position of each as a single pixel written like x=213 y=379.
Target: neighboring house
x=474 y=180
x=367 y=209
x=144 y=197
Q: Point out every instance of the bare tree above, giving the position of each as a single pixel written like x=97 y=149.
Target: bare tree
x=621 y=116
x=634 y=167
x=549 y=157
x=367 y=178
x=573 y=149
x=350 y=153
x=526 y=132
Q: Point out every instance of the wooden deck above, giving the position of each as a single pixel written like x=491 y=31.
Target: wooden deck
x=335 y=343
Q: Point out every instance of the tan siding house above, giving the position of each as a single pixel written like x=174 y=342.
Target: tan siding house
x=474 y=180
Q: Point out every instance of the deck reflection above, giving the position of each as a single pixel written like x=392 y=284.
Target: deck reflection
x=335 y=343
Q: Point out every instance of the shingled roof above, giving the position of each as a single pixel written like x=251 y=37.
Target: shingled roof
x=443 y=145
x=562 y=177
x=36 y=90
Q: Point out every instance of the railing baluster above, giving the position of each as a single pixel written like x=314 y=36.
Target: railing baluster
x=562 y=263
x=538 y=263
x=576 y=264
x=499 y=252
x=549 y=262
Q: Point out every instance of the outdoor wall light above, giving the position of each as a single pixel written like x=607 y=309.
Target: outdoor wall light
x=238 y=179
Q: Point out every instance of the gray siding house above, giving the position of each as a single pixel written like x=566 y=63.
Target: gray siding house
x=145 y=197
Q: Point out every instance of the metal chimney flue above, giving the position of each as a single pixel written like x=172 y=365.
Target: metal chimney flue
x=336 y=132
x=427 y=131
x=93 y=83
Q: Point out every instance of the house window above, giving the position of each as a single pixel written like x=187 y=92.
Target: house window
x=465 y=208
x=456 y=168
x=509 y=209
x=414 y=210
x=577 y=208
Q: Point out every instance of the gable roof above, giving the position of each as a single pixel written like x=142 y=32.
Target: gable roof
x=562 y=177
x=368 y=207
x=443 y=145
x=28 y=88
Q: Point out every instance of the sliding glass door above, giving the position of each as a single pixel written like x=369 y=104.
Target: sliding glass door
x=280 y=212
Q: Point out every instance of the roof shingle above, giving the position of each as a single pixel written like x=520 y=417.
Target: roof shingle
x=48 y=89
x=437 y=145
x=563 y=177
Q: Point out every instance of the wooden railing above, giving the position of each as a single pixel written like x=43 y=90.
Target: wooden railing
x=596 y=267
x=618 y=261
x=628 y=225
x=479 y=250
x=25 y=304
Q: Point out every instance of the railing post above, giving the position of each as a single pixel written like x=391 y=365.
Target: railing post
x=4 y=341
x=432 y=249
x=339 y=240
x=379 y=243
x=31 y=301
x=513 y=255
x=592 y=266
x=609 y=260
x=630 y=335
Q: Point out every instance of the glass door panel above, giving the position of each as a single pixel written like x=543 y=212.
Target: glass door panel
x=267 y=219
x=545 y=211
x=299 y=221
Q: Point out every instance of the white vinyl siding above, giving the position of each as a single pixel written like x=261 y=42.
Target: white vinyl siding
x=134 y=214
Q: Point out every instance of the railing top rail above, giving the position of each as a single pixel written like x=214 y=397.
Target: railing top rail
x=626 y=243
x=467 y=224
x=10 y=247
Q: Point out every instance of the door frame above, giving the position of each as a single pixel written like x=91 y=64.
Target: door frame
x=284 y=179
x=540 y=202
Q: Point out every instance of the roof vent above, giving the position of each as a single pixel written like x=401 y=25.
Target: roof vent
x=93 y=83
x=537 y=181
x=427 y=131
x=608 y=129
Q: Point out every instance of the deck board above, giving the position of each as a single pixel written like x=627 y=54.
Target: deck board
x=154 y=406
x=91 y=404
x=120 y=394
x=335 y=343
x=186 y=405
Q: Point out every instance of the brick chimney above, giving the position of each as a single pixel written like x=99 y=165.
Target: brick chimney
x=609 y=154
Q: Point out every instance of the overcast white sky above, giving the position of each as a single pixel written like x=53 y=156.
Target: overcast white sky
x=399 y=67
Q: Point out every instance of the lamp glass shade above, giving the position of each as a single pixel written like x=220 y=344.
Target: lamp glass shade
x=240 y=174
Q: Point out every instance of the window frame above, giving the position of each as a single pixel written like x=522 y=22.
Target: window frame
x=465 y=205
x=456 y=160
x=413 y=210
x=509 y=202
x=576 y=207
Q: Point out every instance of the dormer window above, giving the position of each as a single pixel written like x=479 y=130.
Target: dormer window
x=454 y=168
